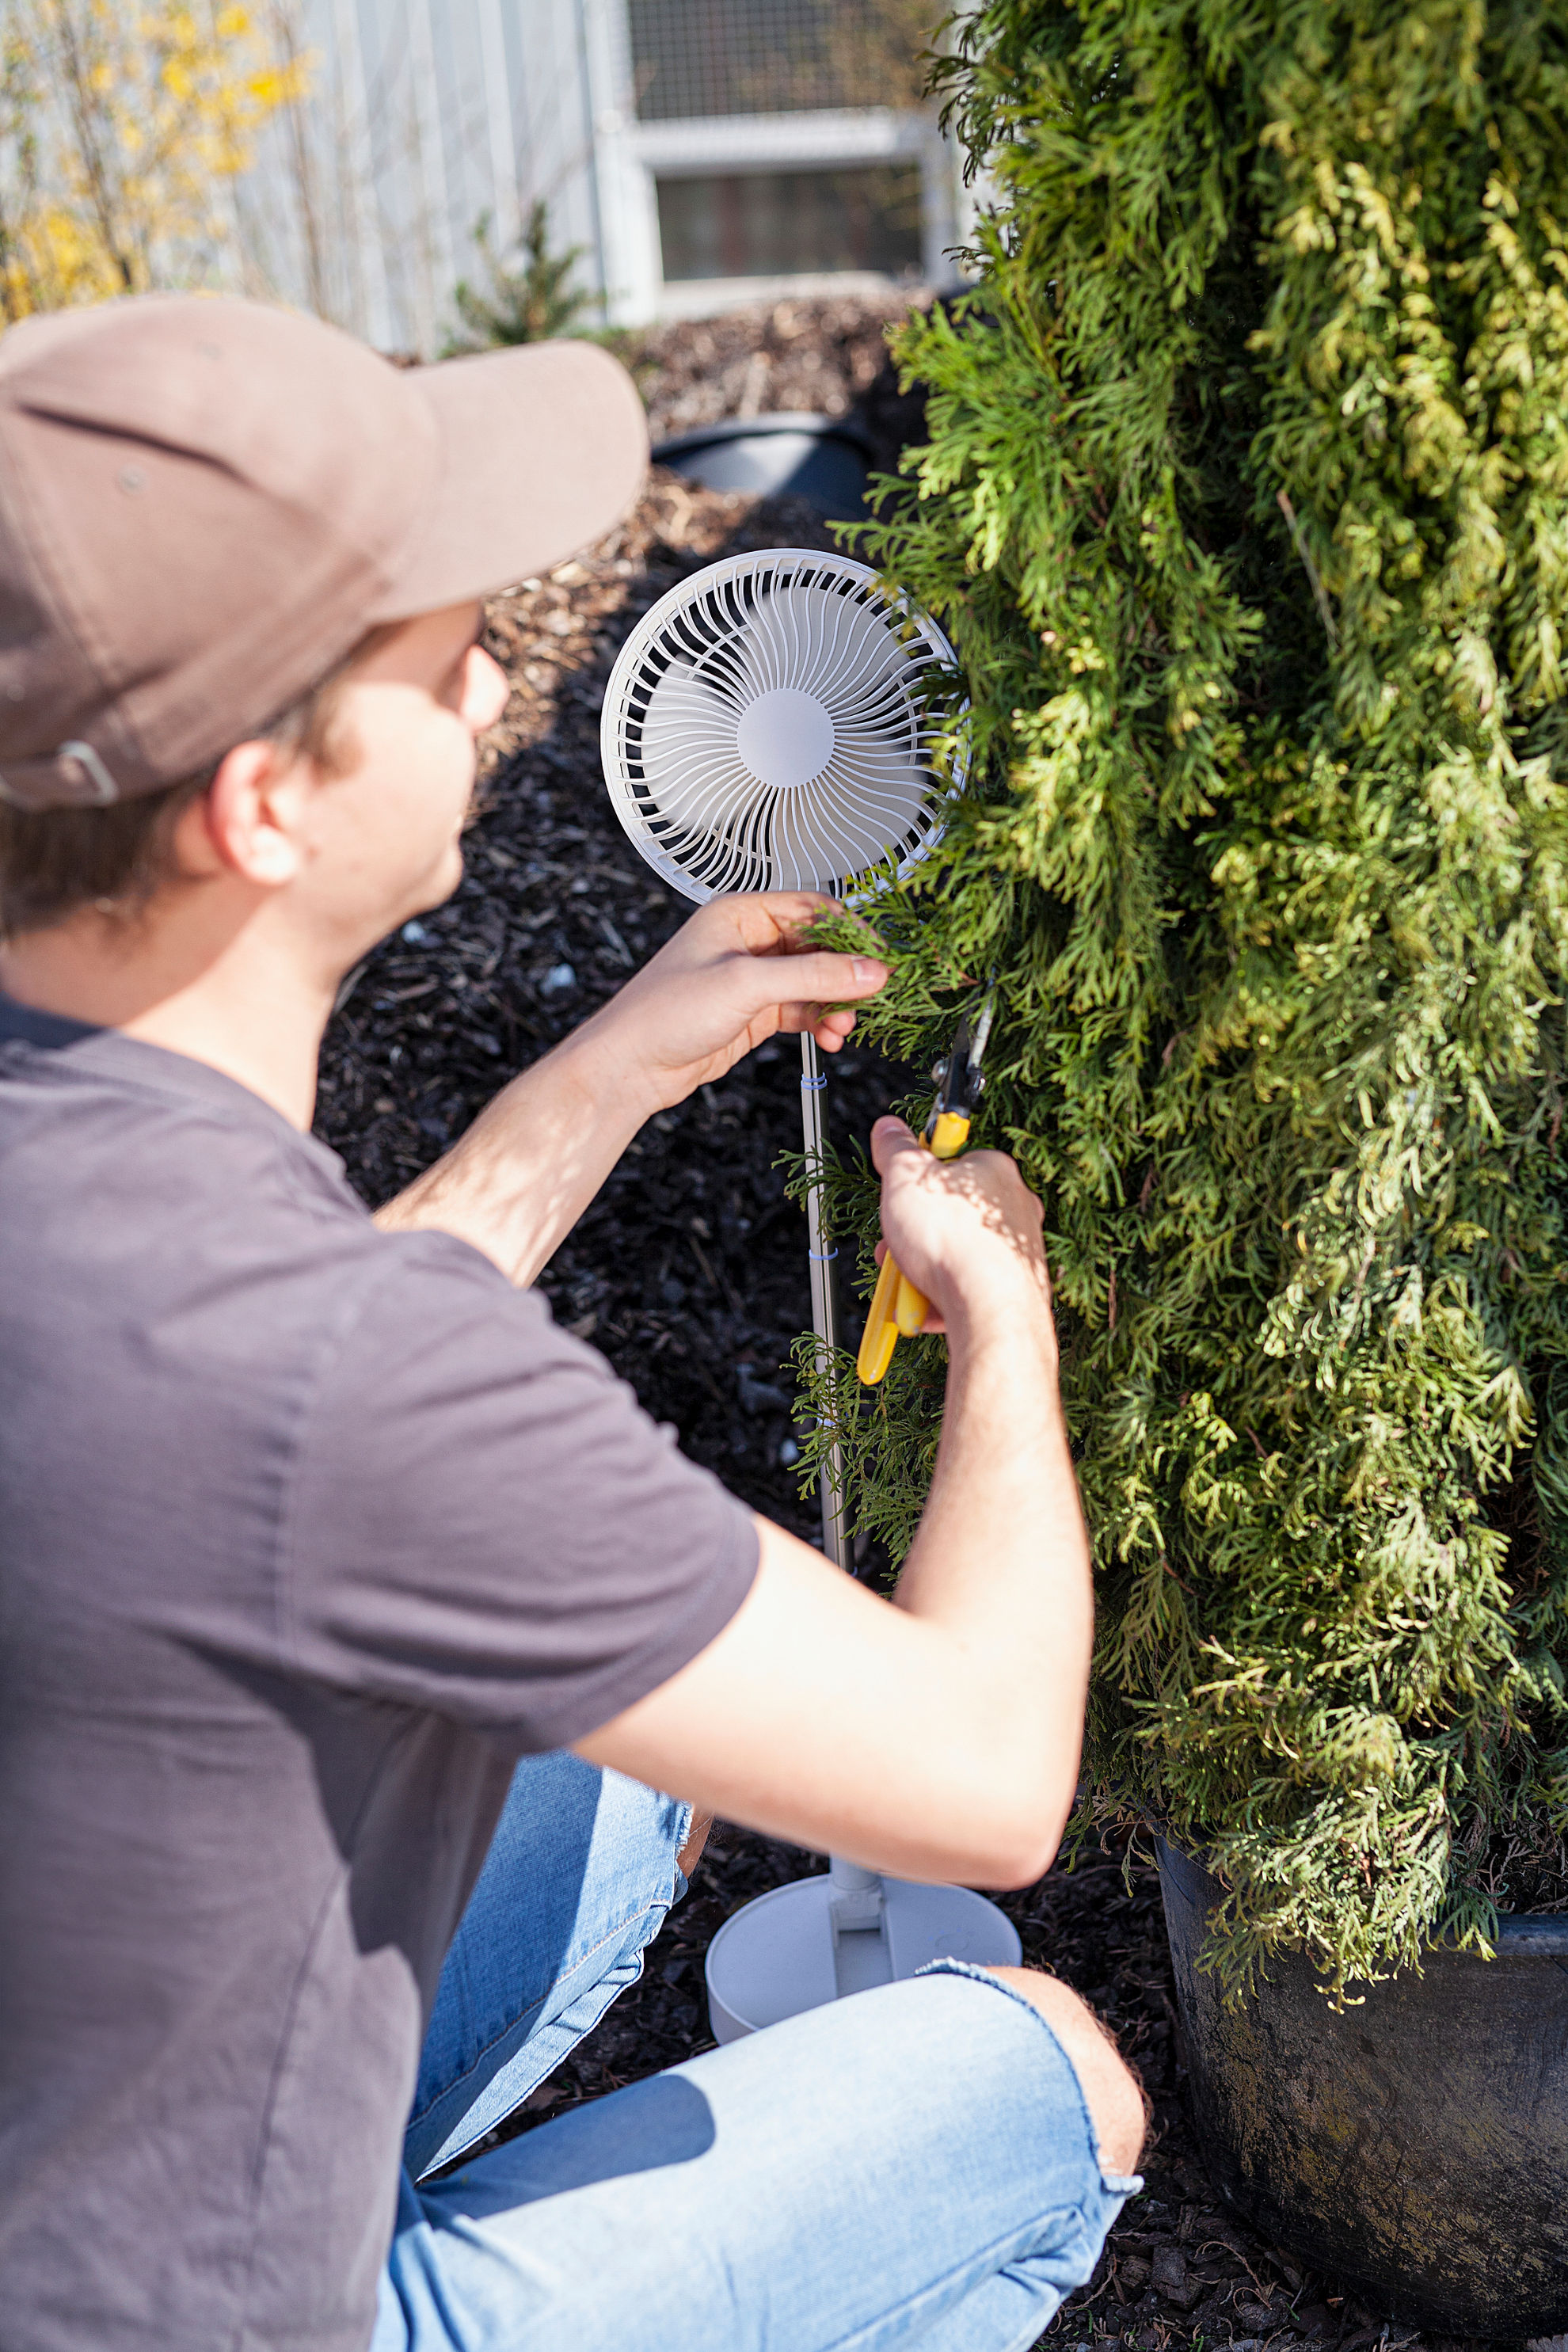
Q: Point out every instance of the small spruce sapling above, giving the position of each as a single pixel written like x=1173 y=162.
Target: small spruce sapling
x=523 y=301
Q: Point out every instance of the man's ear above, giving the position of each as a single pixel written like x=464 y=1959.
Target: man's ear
x=246 y=821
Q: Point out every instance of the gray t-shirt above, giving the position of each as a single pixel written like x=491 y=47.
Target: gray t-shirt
x=307 y=1532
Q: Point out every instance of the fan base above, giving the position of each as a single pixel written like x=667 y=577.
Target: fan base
x=819 y=1940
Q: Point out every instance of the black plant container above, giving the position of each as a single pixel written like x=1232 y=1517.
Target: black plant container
x=1415 y=2146
x=824 y=459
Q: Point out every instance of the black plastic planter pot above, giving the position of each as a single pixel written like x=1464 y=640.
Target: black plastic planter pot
x=816 y=457
x=1415 y=2145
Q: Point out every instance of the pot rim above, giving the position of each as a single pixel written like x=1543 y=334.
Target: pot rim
x=1520 y=1935
x=806 y=422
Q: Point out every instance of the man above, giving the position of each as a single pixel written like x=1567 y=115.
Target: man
x=345 y=1599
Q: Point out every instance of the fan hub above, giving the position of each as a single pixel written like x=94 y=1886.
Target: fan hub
x=786 y=738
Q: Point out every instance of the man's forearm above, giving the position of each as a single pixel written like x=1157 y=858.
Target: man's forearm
x=1002 y=1558
x=937 y=1738
x=530 y=1164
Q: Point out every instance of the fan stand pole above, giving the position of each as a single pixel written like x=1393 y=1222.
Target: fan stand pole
x=858 y=1892
x=835 y=1542
x=822 y=1937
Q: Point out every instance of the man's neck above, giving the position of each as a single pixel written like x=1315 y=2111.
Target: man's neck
x=238 y=1003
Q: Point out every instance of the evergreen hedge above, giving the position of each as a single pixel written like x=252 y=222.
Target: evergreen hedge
x=1246 y=506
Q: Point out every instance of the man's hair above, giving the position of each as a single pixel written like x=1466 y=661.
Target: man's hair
x=56 y=860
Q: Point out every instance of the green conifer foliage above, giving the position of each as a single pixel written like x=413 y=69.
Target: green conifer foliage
x=527 y=300
x=1246 y=504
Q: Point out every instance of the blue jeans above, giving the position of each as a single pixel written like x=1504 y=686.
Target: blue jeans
x=914 y=2165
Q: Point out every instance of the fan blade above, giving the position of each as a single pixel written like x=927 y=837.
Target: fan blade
x=702 y=806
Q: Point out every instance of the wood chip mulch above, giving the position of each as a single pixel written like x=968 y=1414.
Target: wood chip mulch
x=827 y=356
x=690 y=1273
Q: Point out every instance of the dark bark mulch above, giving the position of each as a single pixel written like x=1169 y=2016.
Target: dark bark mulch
x=690 y=1273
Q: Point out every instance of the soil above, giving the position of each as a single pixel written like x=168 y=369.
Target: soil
x=690 y=1273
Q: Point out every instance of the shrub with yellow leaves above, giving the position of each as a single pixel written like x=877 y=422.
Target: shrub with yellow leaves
x=1246 y=506
x=121 y=132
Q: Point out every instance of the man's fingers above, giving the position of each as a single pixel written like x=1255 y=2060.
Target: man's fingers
x=829 y=1029
x=889 y=1137
x=765 y=922
x=822 y=981
x=815 y=977
x=793 y=909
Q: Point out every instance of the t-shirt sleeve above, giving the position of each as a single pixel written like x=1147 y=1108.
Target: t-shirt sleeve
x=483 y=1520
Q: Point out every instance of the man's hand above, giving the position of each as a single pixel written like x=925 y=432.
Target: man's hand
x=733 y=975
x=967 y=1232
x=531 y=1163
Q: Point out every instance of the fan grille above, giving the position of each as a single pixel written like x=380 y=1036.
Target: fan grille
x=771 y=724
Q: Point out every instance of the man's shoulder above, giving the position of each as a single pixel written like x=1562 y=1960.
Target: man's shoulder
x=150 y=1189
x=91 y=1118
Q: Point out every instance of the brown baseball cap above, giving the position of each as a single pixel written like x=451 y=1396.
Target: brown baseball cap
x=205 y=504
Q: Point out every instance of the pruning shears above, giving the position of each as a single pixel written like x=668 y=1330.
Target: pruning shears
x=896 y=1305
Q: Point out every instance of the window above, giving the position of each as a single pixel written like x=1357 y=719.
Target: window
x=775 y=224
x=692 y=58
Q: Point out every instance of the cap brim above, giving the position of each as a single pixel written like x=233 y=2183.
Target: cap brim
x=543 y=448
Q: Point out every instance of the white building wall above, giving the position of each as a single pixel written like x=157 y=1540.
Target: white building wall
x=426 y=115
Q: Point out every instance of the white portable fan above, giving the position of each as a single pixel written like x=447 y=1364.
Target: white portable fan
x=771 y=725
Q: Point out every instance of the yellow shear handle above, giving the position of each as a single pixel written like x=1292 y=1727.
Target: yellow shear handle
x=896 y=1305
